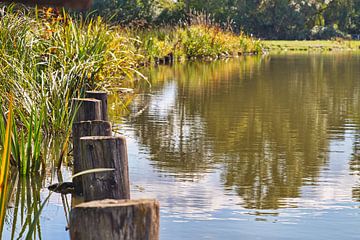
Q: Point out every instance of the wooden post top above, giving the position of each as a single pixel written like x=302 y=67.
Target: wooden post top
x=87 y=109
x=96 y=92
x=103 y=97
x=86 y=100
x=115 y=219
x=110 y=203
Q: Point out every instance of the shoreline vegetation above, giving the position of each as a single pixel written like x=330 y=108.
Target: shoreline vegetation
x=310 y=45
x=48 y=57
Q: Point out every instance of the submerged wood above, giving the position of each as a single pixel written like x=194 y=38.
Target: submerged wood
x=103 y=97
x=63 y=188
x=105 y=152
x=84 y=129
x=87 y=109
x=115 y=219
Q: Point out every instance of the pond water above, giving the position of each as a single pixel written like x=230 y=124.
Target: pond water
x=264 y=147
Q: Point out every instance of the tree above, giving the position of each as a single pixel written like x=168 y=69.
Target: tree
x=126 y=11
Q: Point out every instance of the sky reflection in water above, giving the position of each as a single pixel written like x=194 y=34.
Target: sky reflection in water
x=254 y=148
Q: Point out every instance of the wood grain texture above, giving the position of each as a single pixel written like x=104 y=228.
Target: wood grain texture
x=86 y=109
x=105 y=152
x=103 y=97
x=84 y=129
x=115 y=219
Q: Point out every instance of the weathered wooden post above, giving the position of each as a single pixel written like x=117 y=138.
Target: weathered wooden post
x=83 y=129
x=103 y=97
x=87 y=109
x=94 y=147
x=115 y=219
x=105 y=152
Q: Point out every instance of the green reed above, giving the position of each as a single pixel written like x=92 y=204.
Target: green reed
x=48 y=58
x=198 y=41
x=45 y=61
x=5 y=165
x=27 y=142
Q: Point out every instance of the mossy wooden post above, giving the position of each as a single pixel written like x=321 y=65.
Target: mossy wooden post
x=115 y=219
x=105 y=152
x=103 y=97
x=83 y=129
x=87 y=109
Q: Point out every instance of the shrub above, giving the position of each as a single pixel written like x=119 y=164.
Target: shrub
x=326 y=32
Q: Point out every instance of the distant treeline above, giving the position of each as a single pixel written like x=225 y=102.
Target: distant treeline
x=268 y=19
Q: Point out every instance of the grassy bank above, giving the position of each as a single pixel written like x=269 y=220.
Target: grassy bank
x=193 y=42
x=48 y=58
x=319 y=45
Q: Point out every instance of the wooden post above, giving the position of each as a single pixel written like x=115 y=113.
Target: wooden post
x=105 y=152
x=115 y=219
x=84 y=129
x=88 y=109
x=103 y=97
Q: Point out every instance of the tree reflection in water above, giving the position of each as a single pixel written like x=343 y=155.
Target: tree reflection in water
x=355 y=165
x=266 y=121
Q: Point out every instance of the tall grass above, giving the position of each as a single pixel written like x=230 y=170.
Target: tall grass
x=45 y=61
x=198 y=41
x=201 y=38
x=27 y=142
x=49 y=61
x=48 y=58
x=5 y=165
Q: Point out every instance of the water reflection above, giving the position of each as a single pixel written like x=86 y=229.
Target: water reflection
x=25 y=218
x=355 y=166
x=266 y=122
x=231 y=148
x=24 y=206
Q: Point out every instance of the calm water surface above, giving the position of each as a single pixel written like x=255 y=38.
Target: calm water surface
x=253 y=148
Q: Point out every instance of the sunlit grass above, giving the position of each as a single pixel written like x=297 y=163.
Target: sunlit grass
x=48 y=58
x=195 y=42
x=5 y=165
x=315 y=45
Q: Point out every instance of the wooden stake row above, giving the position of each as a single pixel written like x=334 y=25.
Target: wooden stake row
x=113 y=216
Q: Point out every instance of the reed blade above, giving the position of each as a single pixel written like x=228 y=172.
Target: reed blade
x=5 y=165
